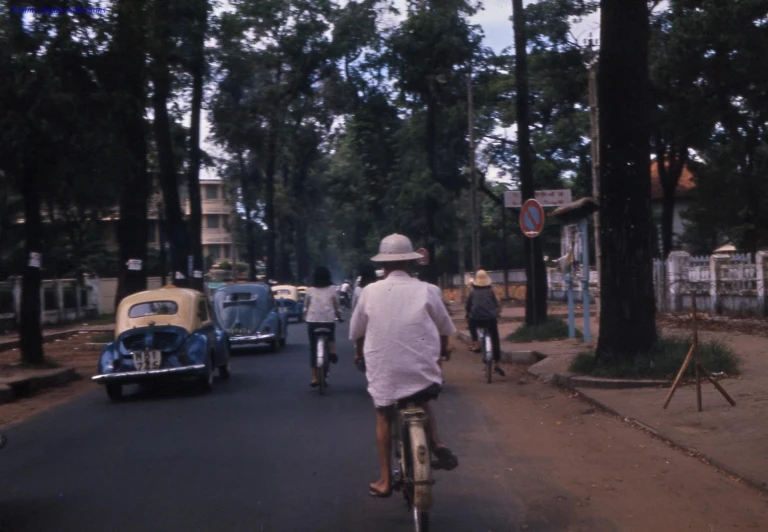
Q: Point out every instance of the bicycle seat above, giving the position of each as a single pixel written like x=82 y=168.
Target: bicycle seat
x=323 y=330
x=419 y=398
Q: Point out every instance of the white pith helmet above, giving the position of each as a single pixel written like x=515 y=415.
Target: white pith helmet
x=395 y=248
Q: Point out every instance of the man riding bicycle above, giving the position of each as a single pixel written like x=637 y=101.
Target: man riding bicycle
x=483 y=310
x=401 y=327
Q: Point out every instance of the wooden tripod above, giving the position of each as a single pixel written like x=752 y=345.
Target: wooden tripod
x=698 y=368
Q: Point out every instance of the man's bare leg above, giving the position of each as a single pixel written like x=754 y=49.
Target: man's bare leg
x=445 y=459
x=434 y=439
x=384 y=440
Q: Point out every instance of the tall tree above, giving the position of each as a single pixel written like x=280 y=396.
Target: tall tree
x=162 y=46
x=128 y=85
x=198 y=28
x=27 y=143
x=430 y=56
x=536 y=275
x=682 y=118
x=628 y=311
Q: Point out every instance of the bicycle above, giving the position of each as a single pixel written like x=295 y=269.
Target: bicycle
x=413 y=474
x=486 y=348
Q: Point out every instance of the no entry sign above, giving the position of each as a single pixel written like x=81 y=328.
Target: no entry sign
x=531 y=218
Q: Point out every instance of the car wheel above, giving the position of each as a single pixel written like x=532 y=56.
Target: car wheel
x=206 y=379
x=225 y=372
x=115 y=391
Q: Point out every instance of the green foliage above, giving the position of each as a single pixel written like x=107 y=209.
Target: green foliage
x=552 y=329
x=663 y=361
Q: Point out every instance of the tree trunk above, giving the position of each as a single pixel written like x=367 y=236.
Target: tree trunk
x=670 y=163
x=269 y=200
x=130 y=90
x=627 y=318
x=30 y=326
x=175 y=226
x=198 y=73
x=197 y=69
x=535 y=273
x=302 y=252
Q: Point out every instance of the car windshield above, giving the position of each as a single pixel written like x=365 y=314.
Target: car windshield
x=283 y=292
x=153 y=308
x=241 y=310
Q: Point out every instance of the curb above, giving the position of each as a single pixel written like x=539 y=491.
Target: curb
x=510 y=357
x=16 y=387
x=692 y=452
x=6 y=394
x=581 y=381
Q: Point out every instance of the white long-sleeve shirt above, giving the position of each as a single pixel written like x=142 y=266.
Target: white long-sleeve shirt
x=402 y=320
x=320 y=305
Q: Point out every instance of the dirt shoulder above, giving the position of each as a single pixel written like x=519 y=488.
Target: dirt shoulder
x=69 y=352
x=584 y=470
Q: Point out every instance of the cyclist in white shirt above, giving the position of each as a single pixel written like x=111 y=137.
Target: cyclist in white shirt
x=321 y=308
x=401 y=327
x=367 y=276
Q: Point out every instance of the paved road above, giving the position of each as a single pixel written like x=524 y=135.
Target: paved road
x=264 y=452
x=261 y=452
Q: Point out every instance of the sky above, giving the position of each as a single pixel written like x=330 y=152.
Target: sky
x=497 y=28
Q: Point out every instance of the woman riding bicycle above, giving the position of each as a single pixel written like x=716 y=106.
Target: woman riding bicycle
x=321 y=307
x=483 y=310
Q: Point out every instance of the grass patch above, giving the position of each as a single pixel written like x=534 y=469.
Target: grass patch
x=103 y=338
x=552 y=329
x=663 y=361
x=47 y=363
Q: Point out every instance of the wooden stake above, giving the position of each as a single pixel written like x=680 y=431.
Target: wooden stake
x=717 y=385
x=679 y=376
x=697 y=365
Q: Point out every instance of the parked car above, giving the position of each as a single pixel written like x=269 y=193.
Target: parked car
x=289 y=302
x=167 y=333
x=250 y=315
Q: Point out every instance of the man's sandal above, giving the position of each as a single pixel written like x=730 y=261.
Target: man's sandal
x=444 y=459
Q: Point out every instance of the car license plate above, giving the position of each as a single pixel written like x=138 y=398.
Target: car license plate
x=147 y=360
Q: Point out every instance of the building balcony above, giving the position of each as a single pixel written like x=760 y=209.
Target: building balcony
x=217 y=236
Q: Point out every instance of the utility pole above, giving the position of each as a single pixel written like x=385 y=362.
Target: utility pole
x=595 y=154
x=473 y=177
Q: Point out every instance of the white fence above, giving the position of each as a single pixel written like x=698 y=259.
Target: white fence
x=722 y=284
x=727 y=283
x=61 y=300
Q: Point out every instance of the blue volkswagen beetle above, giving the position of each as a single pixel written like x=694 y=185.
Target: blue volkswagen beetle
x=162 y=334
x=250 y=316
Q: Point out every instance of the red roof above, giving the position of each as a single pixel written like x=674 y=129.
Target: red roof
x=684 y=186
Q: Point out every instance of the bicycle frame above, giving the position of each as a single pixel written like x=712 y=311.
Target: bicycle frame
x=413 y=474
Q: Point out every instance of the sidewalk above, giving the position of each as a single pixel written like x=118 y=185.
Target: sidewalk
x=734 y=439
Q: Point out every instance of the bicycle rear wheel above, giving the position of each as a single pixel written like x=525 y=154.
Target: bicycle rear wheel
x=420 y=470
x=321 y=365
x=488 y=358
x=420 y=520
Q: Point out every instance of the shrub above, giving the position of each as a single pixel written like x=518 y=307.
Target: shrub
x=663 y=361
x=552 y=329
